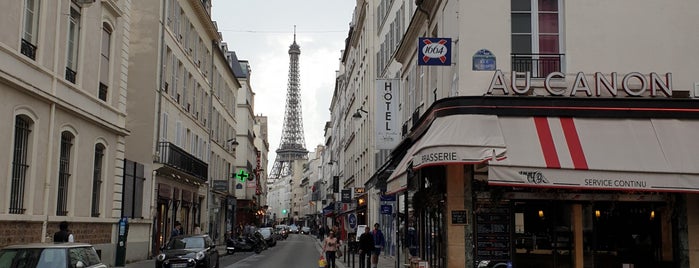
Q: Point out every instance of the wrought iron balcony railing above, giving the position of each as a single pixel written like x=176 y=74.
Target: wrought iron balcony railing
x=179 y=159
x=539 y=65
x=28 y=49
x=70 y=75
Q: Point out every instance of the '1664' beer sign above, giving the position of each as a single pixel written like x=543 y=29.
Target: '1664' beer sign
x=434 y=51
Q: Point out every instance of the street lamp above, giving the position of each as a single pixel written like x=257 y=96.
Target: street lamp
x=357 y=114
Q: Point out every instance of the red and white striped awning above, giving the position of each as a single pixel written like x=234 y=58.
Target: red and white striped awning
x=595 y=153
x=563 y=152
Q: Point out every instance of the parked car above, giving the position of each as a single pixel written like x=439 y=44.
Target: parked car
x=49 y=255
x=305 y=230
x=267 y=234
x=281 y=231
x=188 y=251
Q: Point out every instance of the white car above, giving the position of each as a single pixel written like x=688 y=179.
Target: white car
x=305 y=230
x=293 y=229
x=49 y=255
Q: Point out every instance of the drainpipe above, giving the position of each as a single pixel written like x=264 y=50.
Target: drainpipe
x=52 y=123
x=49 y=173
x=210 y=182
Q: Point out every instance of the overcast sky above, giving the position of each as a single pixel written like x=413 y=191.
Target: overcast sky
x=261 y=31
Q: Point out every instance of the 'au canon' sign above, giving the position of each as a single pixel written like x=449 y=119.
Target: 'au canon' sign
x=632 y=84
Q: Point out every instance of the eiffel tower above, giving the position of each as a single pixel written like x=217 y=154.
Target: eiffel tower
x=293 y=144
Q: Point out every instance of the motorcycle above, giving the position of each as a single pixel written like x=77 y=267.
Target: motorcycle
x=240 y=243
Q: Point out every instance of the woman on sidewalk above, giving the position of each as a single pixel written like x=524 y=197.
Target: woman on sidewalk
x=330 y=245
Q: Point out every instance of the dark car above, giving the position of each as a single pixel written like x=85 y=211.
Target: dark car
x=188 y=251
x=49 y=255
x=267 y=233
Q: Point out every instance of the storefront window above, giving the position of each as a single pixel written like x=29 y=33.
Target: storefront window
x=618 y=233
x=543 y=234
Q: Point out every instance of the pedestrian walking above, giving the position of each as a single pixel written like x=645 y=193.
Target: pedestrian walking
x=366 y=247
x=378 y=245
x=330 y=246
x=63 y=235
x=177 y=230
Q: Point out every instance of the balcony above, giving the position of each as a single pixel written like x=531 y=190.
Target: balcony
x=539 y=65
x=177 y=158
x=28 y=49
x=70 y=75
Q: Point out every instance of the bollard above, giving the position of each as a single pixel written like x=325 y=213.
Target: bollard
x=352 y=258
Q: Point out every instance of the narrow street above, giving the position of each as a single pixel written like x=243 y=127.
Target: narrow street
x=296 y=251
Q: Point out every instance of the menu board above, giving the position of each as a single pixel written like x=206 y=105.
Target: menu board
x=493 y=238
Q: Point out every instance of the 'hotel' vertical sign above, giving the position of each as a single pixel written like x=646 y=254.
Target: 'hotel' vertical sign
x=387 y=117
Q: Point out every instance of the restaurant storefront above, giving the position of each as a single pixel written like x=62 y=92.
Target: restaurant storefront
x=551 y=182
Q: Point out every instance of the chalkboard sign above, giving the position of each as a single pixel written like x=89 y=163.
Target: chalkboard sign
x=493 y=225
x=458 y=217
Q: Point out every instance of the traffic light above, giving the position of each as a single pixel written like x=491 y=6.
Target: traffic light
x=284 y=211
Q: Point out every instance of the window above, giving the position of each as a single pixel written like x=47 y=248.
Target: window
x=535 y=36
x=31 y=28
x=73 y=43
x=64 y=173
x=163 y=127
x=104 y=63
x=97 y=180
x=19 y=164
x=87 y=255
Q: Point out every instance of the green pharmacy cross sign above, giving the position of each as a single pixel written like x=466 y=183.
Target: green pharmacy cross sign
x=242 y=175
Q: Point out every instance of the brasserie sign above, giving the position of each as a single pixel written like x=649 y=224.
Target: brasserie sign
x=632 y=84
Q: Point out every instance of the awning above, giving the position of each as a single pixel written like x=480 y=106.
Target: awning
x=455 y=139
x=596 y=153
x=329 y=210
x=460 y=139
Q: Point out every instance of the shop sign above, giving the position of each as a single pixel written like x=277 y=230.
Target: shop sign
x=358 y=191
x=346 y=196
x=632 y=84
x=434 y=51
x=458 y=217
x=386 y=209
x=387 y=128
x=221 y=185
x=592 y=179
x=352 y=220
x=447 y=156
x=391 y=197
x=483 y=60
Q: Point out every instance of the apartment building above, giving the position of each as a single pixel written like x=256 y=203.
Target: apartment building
x=548 y=133
x=63 y=82
x=182 y=117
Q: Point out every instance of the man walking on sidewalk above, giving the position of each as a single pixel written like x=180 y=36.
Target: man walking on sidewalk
x=366 y=248
x=378 y=245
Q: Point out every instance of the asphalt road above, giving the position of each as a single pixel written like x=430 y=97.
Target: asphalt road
x=296 y=251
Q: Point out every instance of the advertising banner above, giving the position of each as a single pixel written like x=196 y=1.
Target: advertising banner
x=434 y=51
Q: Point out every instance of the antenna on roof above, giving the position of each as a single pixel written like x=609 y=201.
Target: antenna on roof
x=294 y=33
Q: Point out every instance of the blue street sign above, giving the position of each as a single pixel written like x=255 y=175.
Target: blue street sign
x=352 y=220
x=386 y=209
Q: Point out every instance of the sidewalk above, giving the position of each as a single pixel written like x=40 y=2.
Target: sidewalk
x=384 y=260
